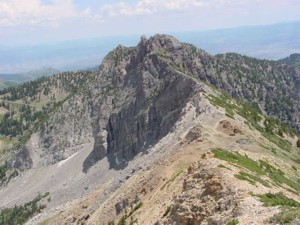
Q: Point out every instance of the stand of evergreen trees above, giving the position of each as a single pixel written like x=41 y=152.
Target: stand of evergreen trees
x=21 y=214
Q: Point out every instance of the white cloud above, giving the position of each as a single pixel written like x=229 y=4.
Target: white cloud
x=33 y=12
x=147 y=7
x=143 y=7
x=92 y=17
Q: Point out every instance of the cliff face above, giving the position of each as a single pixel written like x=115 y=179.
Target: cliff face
x=138 y=111
x=69 y=127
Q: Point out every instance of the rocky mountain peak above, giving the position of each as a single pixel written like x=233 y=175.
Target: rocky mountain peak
x=160 y=41
x=139 y=111
x=138 y=94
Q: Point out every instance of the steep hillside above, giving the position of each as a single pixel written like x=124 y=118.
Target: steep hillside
x=161 y=133
x=293 y=59
x=27 y=108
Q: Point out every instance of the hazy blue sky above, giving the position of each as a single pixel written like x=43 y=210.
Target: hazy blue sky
x=35 y=21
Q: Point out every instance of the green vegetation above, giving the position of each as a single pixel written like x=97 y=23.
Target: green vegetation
x=124 y=217
x=233 y=222
x=46 y=221
x=27 y=107
x=135 y=208
x=68 y=82
x=238 y=159
x=247 y=79
x=167 y=211
x=162 y=54
x=260 y=168
x=133 y=221
x=293 y=59
x=21 y=214
x=224 y=102
x=273 y=129
x=270 y=199
x=278 y=176
x=6 y=84
x=174 y=176
x=3 y=170
x=222 y=166
x=291 y=209
x=269 y=148
x=251 y=178
x=298 y=143
x=246 y=178
x=4 y=143
x=179 y=68
x=280 y=142
x=286 y=217
x=6 y=174
x=122 y=221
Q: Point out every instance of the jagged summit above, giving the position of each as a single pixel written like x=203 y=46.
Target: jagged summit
x=160 y=41
x=158 y=44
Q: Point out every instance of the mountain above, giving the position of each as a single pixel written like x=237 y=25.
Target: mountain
x=161 y=133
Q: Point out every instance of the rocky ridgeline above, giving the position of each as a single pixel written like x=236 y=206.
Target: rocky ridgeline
x=138 y=93
x=205 y=199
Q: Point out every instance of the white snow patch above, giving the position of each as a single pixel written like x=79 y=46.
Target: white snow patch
x=65 y=160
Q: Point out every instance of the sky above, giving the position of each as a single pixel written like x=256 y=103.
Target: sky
x=24 y=22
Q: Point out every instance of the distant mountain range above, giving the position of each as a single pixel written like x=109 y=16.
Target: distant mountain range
x=271 y=42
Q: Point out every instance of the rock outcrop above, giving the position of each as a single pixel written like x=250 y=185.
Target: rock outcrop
x=205 y=199
x=138 y=111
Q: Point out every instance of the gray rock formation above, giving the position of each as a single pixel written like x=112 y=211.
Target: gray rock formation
x=23 y=160
x=138 y=111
